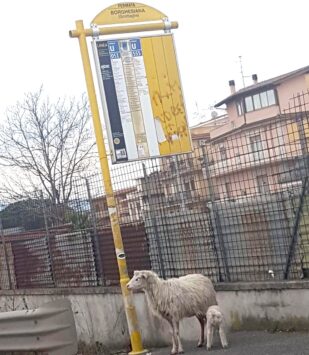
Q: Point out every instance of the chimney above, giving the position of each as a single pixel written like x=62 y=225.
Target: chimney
x=232 y=86
x=254 y=78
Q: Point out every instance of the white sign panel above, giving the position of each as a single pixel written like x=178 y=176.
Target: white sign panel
x=142 y=97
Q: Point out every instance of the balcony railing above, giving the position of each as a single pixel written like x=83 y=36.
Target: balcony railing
x=252 y=159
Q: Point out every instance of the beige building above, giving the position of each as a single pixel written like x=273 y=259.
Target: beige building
x=181 y=177
x=247 y=150
x=261 y=100
x=128 y=206
x=249 y=154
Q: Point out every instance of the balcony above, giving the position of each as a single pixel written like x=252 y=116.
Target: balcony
x=249 y=160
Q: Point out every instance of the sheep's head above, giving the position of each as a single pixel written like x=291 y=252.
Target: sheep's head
x=139 y=280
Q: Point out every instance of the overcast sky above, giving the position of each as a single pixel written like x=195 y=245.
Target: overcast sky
x=271 y=37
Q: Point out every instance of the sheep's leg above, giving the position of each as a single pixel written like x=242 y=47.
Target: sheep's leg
x=201 y=319
x=223 y=336
x=174 y=338
x=209 y=333
x=180 y=348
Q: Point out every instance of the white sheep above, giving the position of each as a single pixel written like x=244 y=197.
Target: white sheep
x=176 y=298
x=215 y=320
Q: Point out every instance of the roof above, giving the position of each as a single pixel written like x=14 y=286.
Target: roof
x=245 y=126
x=202 y=129
x=196 y=136
x=210 y=122
x=266 y=83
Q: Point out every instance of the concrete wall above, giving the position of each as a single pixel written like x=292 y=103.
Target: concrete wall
x=266 y=306
x=98 y=312
x=100 y=316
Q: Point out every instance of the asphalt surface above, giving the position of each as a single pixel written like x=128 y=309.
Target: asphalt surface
x=251 y=343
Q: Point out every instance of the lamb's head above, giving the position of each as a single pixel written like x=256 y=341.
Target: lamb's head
x=139 y=280
x=214 y=317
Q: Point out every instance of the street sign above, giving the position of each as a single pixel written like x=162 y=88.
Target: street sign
x=142 y=97
x=142 y=102
x=127 y=12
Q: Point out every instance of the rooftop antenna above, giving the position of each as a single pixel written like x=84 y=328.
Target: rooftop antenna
x=197 y=109
x=242 y=71
x=243 y=76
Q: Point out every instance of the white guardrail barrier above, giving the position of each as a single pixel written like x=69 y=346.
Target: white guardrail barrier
x=49 y=329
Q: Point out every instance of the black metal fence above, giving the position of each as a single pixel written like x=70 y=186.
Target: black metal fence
x=235 y=209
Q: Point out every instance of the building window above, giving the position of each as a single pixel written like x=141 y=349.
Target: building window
x=263 y=97
x=172 y=166
x=256 y=143
x=173 y=189
x=228 y=190
x=257 y=101
x=262 y=184
x=256 y=146
x=249 y=104
x=237 y=158
x=260 y=100
x=222 y=150
x=202 y=142
x=189 y=162
x=271 y=97
x=239 y=106
x=190 y=185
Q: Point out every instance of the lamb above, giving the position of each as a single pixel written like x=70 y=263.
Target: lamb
x=176 y=298
x=215 y=320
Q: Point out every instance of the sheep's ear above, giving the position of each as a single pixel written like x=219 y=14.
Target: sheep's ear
x=138 y=273
x=144 y=275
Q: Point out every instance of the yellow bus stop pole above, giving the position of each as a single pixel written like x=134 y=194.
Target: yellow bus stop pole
x=136 y=341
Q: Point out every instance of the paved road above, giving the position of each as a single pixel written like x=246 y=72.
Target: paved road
x=252 y=343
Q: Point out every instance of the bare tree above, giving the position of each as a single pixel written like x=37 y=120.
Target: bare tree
x=48 y=143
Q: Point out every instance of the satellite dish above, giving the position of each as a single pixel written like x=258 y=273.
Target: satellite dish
x=214 y=114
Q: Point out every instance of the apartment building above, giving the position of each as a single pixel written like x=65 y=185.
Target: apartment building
x=251 y=153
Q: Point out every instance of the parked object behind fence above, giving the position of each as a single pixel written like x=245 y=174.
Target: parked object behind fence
x=177 y=298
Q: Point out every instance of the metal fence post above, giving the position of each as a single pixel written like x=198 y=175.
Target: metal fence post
x=295 y=229
x=304 y=151
x=5 y=253
x=179 y=184
x=96 y=244
x=216 y=215
x=48 y=238
x=154 y=225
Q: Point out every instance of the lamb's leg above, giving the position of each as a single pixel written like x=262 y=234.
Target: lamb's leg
x=223 y=336
x=209 y=334
x=201 y=319
x=180 y=348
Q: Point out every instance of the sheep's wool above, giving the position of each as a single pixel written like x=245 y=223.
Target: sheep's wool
x=177 y=298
